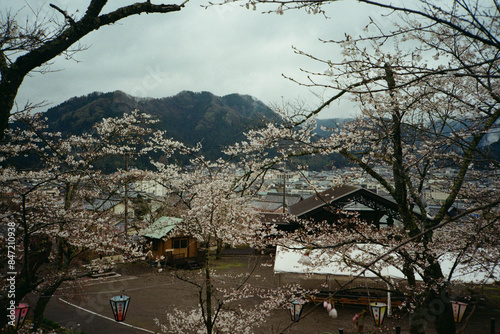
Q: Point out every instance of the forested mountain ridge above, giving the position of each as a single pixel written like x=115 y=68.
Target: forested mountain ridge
x=188 y=117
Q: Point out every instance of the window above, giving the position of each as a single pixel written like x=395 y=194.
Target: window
x=155 y=245
x=179 y=243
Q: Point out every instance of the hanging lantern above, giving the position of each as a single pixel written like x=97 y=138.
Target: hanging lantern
x=333 y=313
x=20 y=314
x=119 y=306
x=296 y=310
x=378 y=312
x=330 y=308
x=458 y=310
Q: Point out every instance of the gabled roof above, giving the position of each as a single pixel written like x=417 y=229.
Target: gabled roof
x=263 y=206
x=161 y=227
x=321 y=199
x=339 y=197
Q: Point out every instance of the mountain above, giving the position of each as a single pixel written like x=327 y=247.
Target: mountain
x=188 y=117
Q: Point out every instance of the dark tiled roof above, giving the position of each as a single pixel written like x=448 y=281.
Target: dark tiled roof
x=290 y=199
x=265 y=206
x=274 y=218
x=321 y=199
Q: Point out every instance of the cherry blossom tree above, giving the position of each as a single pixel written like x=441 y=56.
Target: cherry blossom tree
x=215 y=215
x=230 y=315
x=216 y=196
x=428 y=97
x=56 y=233
x=29 y=44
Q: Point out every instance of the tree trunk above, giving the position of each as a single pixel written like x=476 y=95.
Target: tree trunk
x=42 y=302
x=444 y=322
x=220 y=245
x=418 y=323
x=437 y=310
x=208 y=292
x=438 y=303
x=436 y=307
x=9 y=86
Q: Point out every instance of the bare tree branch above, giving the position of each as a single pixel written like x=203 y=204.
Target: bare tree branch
x=66 y=16
x=14 y=74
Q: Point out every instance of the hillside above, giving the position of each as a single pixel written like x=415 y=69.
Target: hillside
x=188 y=117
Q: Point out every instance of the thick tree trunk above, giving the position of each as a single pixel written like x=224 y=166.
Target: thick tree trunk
x=444 y=322
x=9 y=85
x=438 y=303
x=42 y=302
x=436 y=307
x=438 y=311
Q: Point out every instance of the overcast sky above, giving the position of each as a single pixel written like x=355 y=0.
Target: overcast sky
x=223 y=49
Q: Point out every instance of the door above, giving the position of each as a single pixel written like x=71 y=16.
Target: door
x=181 y=247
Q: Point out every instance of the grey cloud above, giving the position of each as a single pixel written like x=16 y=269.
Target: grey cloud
x=222 y=49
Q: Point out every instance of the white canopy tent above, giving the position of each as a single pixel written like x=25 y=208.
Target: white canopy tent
x=332 y=262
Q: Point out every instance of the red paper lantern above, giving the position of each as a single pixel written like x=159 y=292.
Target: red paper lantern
x=119 y=306
x=20 y=313
x=458 y=310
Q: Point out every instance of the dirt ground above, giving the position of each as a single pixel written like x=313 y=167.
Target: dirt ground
x=155 y=292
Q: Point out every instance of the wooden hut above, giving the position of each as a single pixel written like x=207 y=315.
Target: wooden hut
x=171 y=248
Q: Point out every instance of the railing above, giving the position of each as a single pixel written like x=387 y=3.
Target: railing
x=354 y=299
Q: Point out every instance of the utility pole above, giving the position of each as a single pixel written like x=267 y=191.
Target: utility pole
x=284 y=192
x=285 y=174
x=126 y=197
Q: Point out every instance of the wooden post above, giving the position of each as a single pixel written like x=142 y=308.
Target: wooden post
x=389 y=307
x=492 y=326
